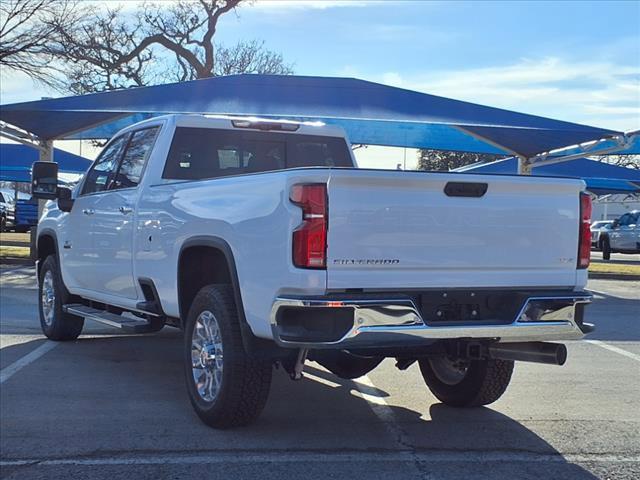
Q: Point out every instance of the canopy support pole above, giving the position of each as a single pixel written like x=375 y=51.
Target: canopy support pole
x=19 y=136
x=589 y=148
x=45 y=154
x=524 y=165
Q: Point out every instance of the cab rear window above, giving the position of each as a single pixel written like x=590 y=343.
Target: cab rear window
x=201 y=153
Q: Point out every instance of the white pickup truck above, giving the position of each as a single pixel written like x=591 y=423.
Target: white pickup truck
x=264 y=243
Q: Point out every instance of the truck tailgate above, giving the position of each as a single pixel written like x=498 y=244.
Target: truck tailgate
x=399 y=230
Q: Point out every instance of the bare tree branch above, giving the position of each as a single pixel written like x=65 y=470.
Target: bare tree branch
x=157 y=43
x=250 y=57
x=27 y=28
x=629 y=161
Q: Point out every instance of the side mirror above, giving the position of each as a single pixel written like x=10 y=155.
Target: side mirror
x=615 y=224
x=44 y=180
x=65 y=202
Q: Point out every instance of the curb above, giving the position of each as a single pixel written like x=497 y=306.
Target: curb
x=16 y=261
x=613 y=276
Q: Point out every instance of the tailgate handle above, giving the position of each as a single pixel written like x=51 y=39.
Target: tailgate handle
x=465 y=189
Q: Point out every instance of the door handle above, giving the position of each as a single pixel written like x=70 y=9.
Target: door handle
x=88 y=211
x=125 y=210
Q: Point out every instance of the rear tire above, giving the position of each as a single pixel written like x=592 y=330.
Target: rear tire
x=227 y=387
x=466 y=383
x=606 y=249
x=56 y=324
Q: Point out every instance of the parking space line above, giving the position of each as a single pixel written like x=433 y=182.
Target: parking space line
x=321 y=380
x=377 y=404
x=7 y=372
x=381 y=409
x=226 y=457
x=615 y=349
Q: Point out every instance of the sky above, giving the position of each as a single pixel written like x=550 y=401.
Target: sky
x=575 y=61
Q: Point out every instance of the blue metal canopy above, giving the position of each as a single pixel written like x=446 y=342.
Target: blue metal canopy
x=16 y=161
x=601 y=178
x=370 y=113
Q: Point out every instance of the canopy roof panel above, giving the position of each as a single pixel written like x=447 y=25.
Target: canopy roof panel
x=371 y=113
x=16 y=161
x=601 y=178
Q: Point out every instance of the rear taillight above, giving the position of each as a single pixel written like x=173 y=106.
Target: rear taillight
x=310 y=238
x=584 y=248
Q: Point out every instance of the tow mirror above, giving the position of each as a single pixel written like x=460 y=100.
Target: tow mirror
x=44 y=180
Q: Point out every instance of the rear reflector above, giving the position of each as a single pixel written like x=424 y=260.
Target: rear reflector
x=310 y=239
x=584 y=248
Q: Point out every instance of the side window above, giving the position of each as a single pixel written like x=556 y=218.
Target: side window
x=134 y=158
x=625 y=220
x=101 y=172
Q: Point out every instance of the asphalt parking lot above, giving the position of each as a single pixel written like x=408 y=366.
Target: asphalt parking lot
x=114 y=406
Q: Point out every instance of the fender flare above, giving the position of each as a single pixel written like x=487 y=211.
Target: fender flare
x=252 y=344
x=51 y=233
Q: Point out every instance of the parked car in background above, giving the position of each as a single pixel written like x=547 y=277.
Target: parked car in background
x=7 y=211
x=623 y=236
x=597 y=228
x=26 y=215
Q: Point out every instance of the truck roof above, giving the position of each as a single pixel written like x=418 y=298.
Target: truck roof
x=229 y=122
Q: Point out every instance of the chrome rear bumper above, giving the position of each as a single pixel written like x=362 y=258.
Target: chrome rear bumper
x=398 y=322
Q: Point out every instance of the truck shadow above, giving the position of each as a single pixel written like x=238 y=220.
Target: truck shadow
x=126 y=394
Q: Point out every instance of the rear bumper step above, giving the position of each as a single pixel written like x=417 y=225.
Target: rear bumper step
x=356 y=323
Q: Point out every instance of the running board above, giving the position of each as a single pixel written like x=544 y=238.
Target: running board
x=126 y=324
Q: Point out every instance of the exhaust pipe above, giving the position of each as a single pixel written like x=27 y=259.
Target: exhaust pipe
x=536 y=352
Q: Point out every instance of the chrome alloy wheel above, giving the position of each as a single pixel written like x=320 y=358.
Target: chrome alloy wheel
x=206 y=356
x=48 y=298
x=448 y=370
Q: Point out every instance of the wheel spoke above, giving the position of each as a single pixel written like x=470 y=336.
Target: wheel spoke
x=48 y=298
x=206 y=356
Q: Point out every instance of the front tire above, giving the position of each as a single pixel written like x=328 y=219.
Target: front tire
x=606 y=249
x=227 y=387
x=466 y=383
x=56 y=324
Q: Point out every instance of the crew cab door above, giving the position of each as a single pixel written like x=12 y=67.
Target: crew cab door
x=76 y=233
x=114 y=220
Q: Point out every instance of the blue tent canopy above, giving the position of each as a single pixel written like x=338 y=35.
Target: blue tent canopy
x=370 y=113
x=601 y=178
x=16 y=161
